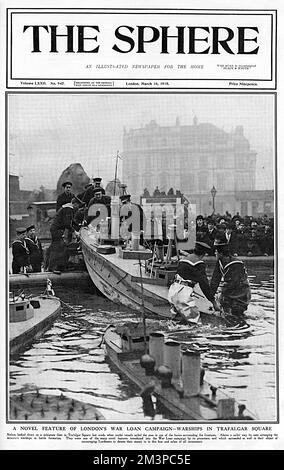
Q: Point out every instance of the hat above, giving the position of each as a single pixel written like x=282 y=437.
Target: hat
x=125 y=197
x=199 y=217
x=30 y=227
x=21 y=230
x=203 y=245
x=65 y=184
x=88 y=185
x=98 y=189
x=97 y=180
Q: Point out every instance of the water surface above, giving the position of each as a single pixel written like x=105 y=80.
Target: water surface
x=70 y=359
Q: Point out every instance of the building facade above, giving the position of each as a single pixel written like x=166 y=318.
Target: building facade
x=193 y=159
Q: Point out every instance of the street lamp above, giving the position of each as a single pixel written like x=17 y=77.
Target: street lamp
x=213 y=192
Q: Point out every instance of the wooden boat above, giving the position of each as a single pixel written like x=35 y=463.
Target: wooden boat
x=116 y=274
x=172 y=375
x=29 y=318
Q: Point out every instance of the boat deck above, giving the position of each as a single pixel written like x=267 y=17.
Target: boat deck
x=21 y=334
x=203 y=406
x=131 y=270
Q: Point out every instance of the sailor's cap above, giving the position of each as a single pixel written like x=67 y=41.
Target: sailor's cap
x=20 y=230
x=99 y=189
x=125 y=197
x=65 y=183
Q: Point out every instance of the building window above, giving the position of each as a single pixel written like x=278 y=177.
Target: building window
x=267 y=207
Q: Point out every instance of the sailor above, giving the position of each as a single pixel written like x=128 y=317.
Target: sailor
x=235 y=291
x=63 y=220
x=81 y=195
x=98 y=198
x=132 y=218
x=35 y=249
x=20 y=252
x=66 y=196
x=90 y=192
x=190 y=271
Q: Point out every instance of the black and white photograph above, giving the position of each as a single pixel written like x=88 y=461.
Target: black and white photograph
x=142 y=232
x=141 y=253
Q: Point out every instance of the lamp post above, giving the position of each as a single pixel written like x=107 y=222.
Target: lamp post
x=213 y=193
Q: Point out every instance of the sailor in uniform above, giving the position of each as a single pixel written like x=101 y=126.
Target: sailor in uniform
x=132 y=219
x=235 y=291
x=35 y=249
x=98 y=199
x=20 y=252
x=63 y=220
x=81 y=195
x=190 y=271
x=90 y=192
x=66 y=196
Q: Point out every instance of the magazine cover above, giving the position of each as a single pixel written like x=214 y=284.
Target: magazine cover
x=141 y=258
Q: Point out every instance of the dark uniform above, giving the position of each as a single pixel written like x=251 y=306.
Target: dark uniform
x=190 y=271
x=36 y=253
x=90 y=192
x=103 y=199
x=131 y=209
x=62 y=220
x=81 y=195
x=106 y=200
x=63 y=199
x=235 y=292
x=21 y=256
x=58 y=251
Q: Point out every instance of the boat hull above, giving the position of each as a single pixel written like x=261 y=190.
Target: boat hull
x=23 y=334
x=203 y=406
x=118 y=280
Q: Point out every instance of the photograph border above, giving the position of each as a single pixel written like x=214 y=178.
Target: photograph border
x=276 y=267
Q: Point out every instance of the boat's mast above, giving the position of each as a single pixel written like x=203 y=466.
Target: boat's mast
x=143 y=306
x=115 y=175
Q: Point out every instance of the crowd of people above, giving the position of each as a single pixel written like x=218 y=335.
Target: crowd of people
x=246 y=236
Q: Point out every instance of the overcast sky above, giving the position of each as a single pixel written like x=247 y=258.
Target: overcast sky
x=48 y=132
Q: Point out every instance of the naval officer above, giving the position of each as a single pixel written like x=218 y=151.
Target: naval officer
x=190 y=271
x=20 y=252
x=66 y=196
x=34 y=246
